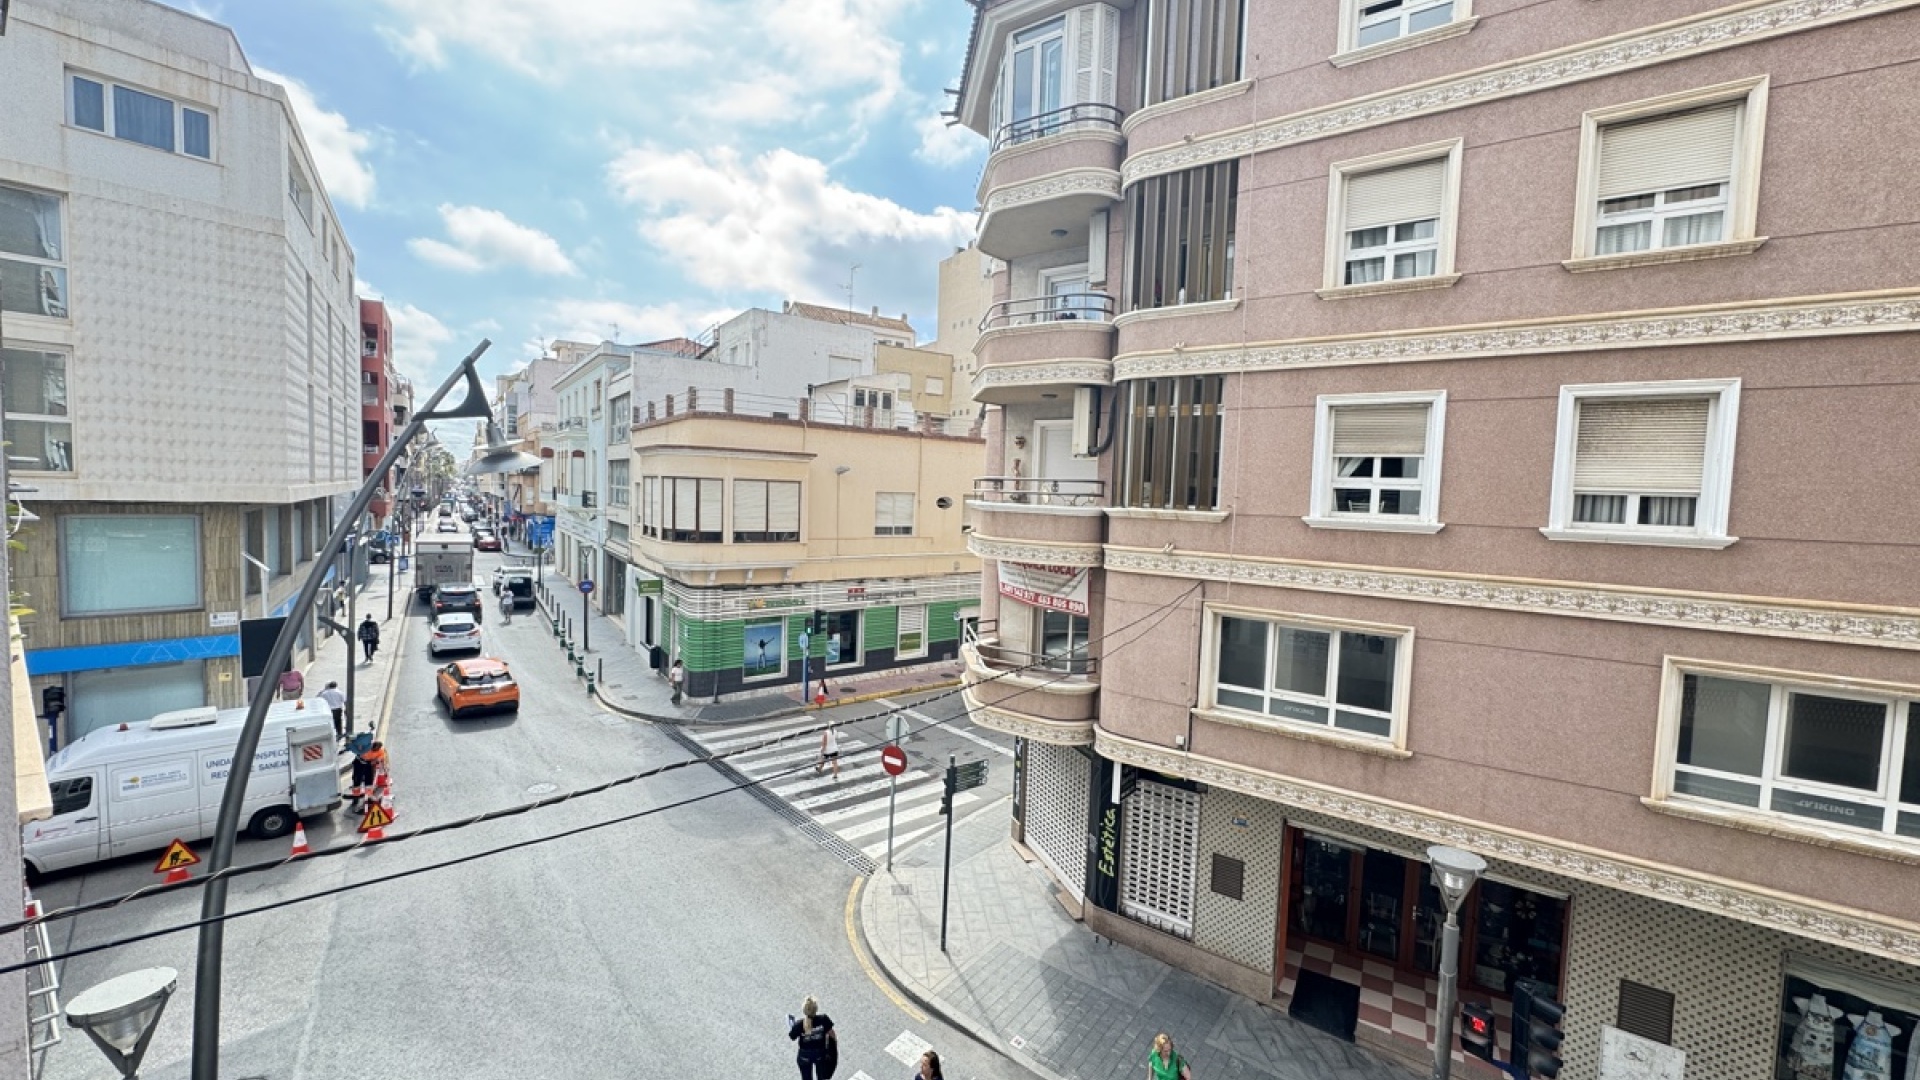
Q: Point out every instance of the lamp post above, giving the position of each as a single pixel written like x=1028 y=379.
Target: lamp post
x=213 y=905
x=395 y=530
x=121 y=1014
x=1454 y=872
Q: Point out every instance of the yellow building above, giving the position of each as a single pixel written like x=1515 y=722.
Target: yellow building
x=926 y=376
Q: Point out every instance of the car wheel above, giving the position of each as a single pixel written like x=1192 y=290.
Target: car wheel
x=273 y=822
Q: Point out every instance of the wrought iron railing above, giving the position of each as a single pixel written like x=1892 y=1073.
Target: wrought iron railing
x=1069 y=662
x=1084 y=116
x=1061 y=307
x=1039 y=491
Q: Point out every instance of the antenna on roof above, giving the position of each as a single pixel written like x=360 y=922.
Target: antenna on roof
x=851 y=270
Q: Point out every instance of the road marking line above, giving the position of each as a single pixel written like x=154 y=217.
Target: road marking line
x=913 y=788
x=822 y=782
x=866 y=962
x=948 y=726
x=729 y=740
x=791 y=752
x=926 y=808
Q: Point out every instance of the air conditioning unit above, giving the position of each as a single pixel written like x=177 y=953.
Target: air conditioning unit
x=586 y=499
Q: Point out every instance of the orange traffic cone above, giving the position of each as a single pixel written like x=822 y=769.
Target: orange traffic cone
x=386 y=802
x=300 y=705
x=300 y=840
x=177 y=875
x=380 y=779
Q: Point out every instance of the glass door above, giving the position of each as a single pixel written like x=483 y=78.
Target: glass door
x=1037 y=75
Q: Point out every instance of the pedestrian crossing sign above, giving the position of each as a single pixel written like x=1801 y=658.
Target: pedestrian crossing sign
x=177 y=856
x=378 y=817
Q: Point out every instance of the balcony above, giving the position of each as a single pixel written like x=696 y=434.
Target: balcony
x=1052 y=698
x=1049 y=173
x=1032 y=348
x=1038 y=510
x=568 y=431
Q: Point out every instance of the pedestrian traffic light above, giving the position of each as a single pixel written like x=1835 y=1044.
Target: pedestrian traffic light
x=819 y=623
x=1476 y=1030
x=1536 y=1029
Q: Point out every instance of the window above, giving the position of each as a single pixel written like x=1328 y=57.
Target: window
x=619 y=487
x=1187 y=46
x=1052 y=71
x=843 y=638
x=911 y=640
x=1170 y=455
x=692 y=510
x=766 y=512
x=1391 y=221
x=1877 y=1015
x=299 y=188
x=137 y=116
x=33 y=270
x=1375 y=22
x=1645 y=463
x=650 y=506
x=1349 y=679
x=39 y=433
x=119 y=563
x=893 y=513
x=71 y=795
x=1063 y=641
x=1672 y=178
x=936 y=385
x=1377 y=461
x=1180 y=237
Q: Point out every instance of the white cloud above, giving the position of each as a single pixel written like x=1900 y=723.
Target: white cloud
x=418 y=338
x=777 y=223
x=338 y=150
x=946 y=145
x=599 y=320
x=489 y=240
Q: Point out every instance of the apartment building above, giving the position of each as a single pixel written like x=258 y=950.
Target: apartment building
x=574 y=454
x=964 y=293
x=377 y=409
x=181 y=360
x=1450 y=422
x=524 y=403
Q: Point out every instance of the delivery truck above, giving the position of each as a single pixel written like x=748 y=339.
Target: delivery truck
x=441 y=561
x=139 y=786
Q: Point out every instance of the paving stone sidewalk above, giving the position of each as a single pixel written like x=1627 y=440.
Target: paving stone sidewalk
x=372 y=683
x=1022 y=976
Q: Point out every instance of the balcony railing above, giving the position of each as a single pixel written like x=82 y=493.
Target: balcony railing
x=565 y=424
x=370 y=449
x=1065 y=662
x=1064 y=307
x=1085 y=116
x=1039 y=491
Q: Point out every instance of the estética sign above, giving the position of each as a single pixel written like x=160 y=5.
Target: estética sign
x=1054 y=588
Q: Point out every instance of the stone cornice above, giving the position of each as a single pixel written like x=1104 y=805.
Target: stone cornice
x=1744 y=24
x=1863 y=931
x=1031 y=551
x=1086 y=371
x=1070 y=182
x=1056 y=732
x=1847 y=624
x=1869 y=313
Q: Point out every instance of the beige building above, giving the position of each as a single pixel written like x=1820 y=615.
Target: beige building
x=1640 y=283
x=965 y=294
x=925 y=376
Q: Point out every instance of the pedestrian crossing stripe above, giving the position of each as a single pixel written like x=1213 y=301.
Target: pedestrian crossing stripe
x=377 y=818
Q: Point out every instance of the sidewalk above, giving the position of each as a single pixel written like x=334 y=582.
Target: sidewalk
x=1024 y=978
x=373 y=684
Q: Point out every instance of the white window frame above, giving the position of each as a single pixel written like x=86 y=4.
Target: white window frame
x=1709 y=529
x=1322 y=515
x=1394 y=744
x=1350 y=51
x=1342 y=172
x=180 y=108
x=912 y=501
x=14 y=415
x=300 y=189
x=58 y=268
x=1057 y=31
x=1901 y=701
x=925 y=629
x=1743 y=188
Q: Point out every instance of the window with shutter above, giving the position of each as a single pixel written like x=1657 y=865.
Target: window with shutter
x=749 y=511
x=711 y=494
x=783 y=512
x=1392 y=222
x=912 y=640
x=1645 y=462
x=893 y=513
x=1664 y=182
x=1376 y=461
x=1170 y=453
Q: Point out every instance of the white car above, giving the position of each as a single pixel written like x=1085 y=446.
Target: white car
x=454 y=632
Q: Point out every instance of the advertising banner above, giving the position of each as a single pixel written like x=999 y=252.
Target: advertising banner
x=1053 y=588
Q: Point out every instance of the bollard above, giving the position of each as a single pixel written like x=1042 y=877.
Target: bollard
x=580 y=668
x=573 y=659
x=600 y=669
x=589 y=684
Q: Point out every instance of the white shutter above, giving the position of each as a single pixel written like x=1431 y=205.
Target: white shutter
x=749 y=506
x=1104 y=84
x=685 y=499
x=1640 y=446
x=910 y=638
x=1389 y=196
x=1160 y=843
x=783 y=508
x=1083 y=52
x=903 y=511
x=1676 y=150
x=1059 y=783
x=711 y=494
x=1379 y=430
x=893 y=513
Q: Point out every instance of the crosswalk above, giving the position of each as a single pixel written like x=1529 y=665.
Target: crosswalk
x=852 y=806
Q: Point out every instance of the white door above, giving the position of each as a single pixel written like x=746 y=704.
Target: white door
x=315 y=766
x=1059 y=783
x=1067 y=295
x=71 y=837
x=1159 y=849
x=1055 y=467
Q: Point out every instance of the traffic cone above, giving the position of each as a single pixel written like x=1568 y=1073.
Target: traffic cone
x=386 y=802
x=380 y=779
x=300 y=705
x=177 y=875
x=300 y=840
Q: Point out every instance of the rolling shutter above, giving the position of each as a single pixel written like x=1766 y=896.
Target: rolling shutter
x=783 y=508
x=749 y=506
x=685 y=501
x=711 y=493
x=1407 y=193
x=1160 y=843
x=893 y=513
x=1641 y=446
x=1059 y=783
x=1676 y=150
x=1379 y=430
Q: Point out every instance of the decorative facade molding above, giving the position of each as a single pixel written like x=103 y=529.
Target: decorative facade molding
x=1079 y=371
x=1845 y=624
x=1083 y=131
x=1871 y=313
x=1745 y=25
x=1056 y=732
x=1104 y=182
x=1033 y=551
x=1862 y=931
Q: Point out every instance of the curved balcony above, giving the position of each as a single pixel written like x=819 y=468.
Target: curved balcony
x=1047 y=174
x=1054 y=699
x=1031 y=349
x=1037 y=510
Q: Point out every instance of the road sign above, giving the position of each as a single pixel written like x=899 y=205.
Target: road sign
x=969 y=776
x=893 y=760
x=586 y=585
x=178 y=856
x=378 y=817
x=896 y=728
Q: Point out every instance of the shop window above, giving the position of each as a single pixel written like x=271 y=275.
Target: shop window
x=843 y=638
x=1837 y=1025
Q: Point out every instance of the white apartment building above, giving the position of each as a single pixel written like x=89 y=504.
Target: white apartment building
x=181 y=352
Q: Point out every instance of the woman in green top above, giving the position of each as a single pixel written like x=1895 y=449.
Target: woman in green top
x=1163 y=1063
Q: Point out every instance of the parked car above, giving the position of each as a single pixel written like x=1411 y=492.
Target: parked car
x=379 y=550
x=467 y=686
x=456 y=598
x=485 y=541
x=446 y=511
x=519 y=587
x=446 y=525
x=458 y=632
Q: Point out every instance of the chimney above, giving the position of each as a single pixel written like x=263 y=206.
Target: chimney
x=876 y=311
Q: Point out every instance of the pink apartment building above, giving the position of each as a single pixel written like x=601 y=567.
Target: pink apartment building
x=1468 y=422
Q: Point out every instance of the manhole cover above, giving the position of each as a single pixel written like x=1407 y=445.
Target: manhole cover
x=903 y=890
x=543 y=789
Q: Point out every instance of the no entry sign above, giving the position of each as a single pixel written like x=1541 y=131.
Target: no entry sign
x=894 y=760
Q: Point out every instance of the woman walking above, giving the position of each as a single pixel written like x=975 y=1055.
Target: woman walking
x=1164 y=1063
x=817 y=1051
x=929 y=1067
x=829 y=752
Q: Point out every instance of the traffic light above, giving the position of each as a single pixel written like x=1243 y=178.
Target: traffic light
x=1536 y=1029
x=1476 y=1030
x=818 y=625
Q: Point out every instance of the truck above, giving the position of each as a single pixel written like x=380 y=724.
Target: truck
x=139 y=786
x=441 y=561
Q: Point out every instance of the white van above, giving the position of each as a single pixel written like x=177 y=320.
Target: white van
x=135 y=787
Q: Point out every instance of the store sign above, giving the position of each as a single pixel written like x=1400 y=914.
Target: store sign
x=1052 y=588
x=647 y=586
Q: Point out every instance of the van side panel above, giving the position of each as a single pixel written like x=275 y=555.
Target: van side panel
x=149 y=803
x=269 y=785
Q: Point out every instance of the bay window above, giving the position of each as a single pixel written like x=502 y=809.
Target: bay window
x=1058 y=75
x=33 y=261
x=1187 y=46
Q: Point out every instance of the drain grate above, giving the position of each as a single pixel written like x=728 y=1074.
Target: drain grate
x=808 y=827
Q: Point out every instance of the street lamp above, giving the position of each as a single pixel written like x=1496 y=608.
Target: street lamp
x=121 y=1014
x=1454 y=872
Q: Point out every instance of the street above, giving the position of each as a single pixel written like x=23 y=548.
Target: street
x=672 y=945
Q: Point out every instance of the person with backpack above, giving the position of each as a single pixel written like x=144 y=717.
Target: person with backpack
x=817 y=1049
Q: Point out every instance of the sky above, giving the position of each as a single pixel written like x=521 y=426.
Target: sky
x=529 y=170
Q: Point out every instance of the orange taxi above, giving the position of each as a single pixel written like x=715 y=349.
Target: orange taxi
x=474 y=685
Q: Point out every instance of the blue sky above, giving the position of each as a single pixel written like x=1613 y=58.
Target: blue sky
x=526 y=170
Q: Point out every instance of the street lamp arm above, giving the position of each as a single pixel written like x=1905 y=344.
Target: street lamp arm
x=206 y=989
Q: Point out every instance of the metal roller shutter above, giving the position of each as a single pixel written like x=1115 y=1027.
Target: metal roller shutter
x=1379 y=430
x=1059 y=783
x=1159 y=843
x=1632 y=444
x=1389 y=196
x=1672 y=151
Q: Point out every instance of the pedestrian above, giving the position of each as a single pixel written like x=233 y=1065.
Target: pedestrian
x=368 y=758
x=829 y=752
x=1163 y=1062
x=292 y=684
x=336 y=701
x=369 y=637
x=817 y=1048
x=677 y=676
x=929 y=1067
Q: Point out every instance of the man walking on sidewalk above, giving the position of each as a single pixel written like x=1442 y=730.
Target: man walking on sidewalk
x=677 y=677
x=336 y=701
x=369 y=637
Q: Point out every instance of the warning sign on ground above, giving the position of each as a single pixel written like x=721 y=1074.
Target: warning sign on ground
x=378 y=817
x=177 y=856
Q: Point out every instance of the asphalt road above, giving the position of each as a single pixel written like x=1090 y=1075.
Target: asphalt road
x=673 y=945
